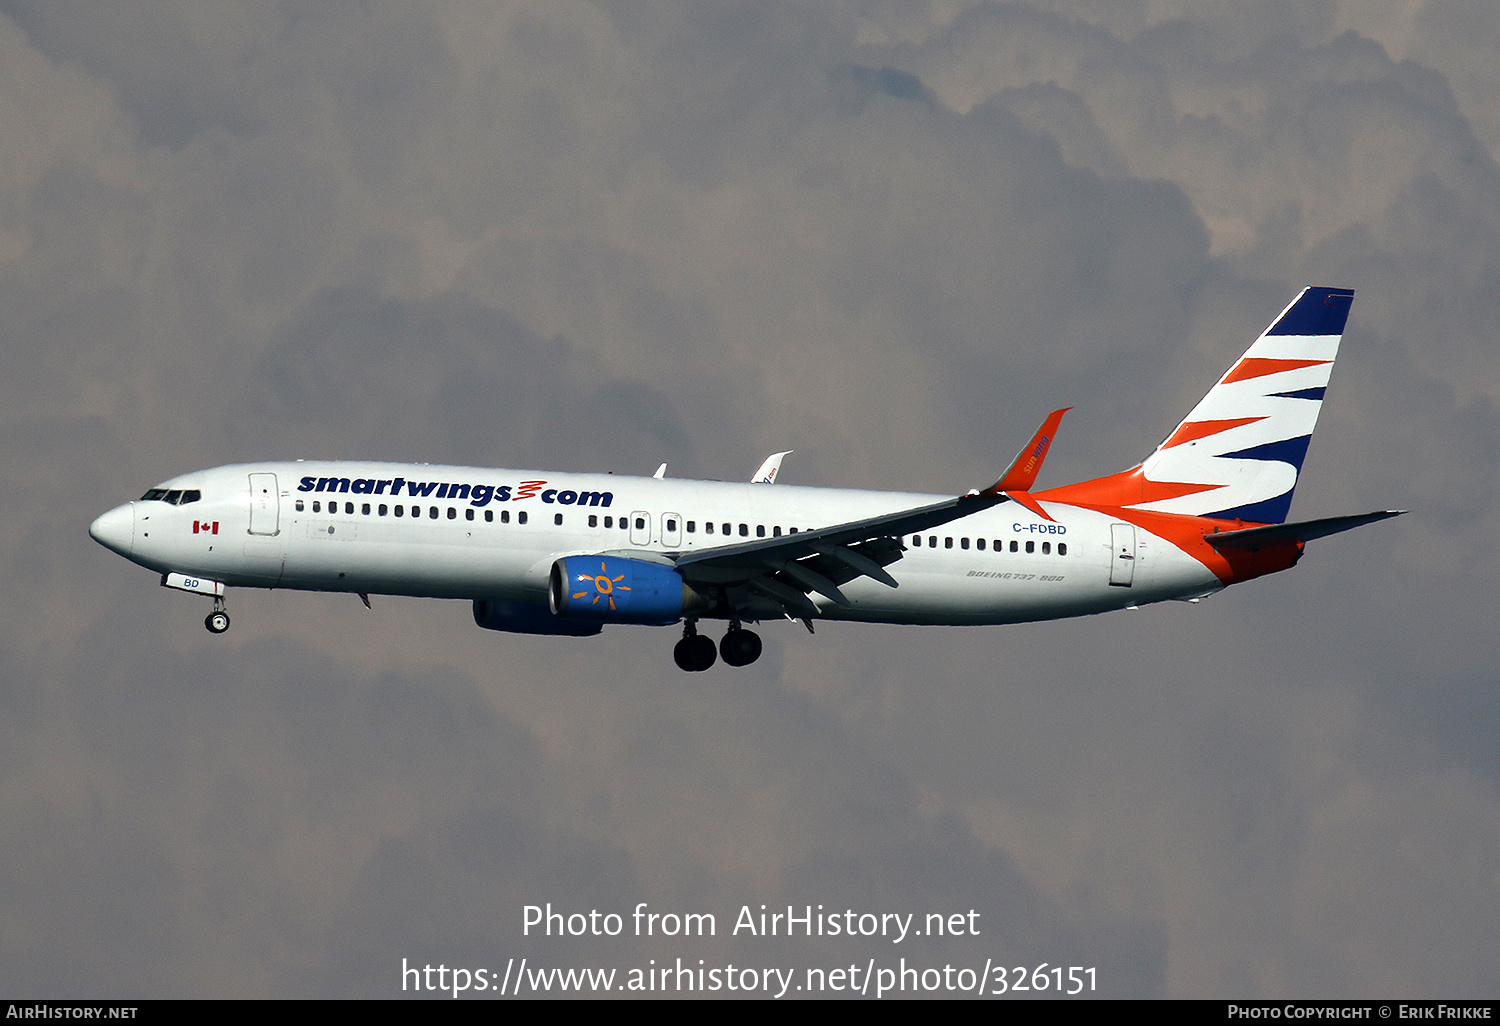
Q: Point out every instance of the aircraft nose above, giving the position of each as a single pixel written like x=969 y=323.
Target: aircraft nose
x=115 y=530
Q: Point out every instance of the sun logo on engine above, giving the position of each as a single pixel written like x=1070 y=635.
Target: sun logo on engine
x=604 y=586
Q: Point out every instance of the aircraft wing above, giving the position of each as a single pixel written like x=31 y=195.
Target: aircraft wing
x=787 y=568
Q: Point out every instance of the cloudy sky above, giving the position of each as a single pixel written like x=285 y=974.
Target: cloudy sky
x=889 y=235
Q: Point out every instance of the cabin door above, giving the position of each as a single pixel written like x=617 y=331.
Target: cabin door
x=1122 y=559
x=265 y=505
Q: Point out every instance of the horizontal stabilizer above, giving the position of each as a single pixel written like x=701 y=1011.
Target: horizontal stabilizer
x=1253 y=538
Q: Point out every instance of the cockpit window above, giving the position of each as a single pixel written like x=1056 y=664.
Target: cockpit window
x=177 y=496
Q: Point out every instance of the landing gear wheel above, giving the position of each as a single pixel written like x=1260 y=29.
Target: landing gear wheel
x=694 y=653
x=217 y=622
x=740 y=647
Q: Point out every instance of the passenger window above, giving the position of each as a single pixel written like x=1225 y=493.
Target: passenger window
x=365 y=509
x=916 y=540
x=1062 y=548
x=452 y=513
x=1014 y=547
x=521 y=517
x=727 y=529
x=963 y=543
x=1031 y=546
x=776 y=532
x=1046 y=548
x=348 y=508
x=979 y=544
x=760 y=530
x=744 y=530
x=469 y=513
x=999 y=545
x=692 y=527
x=557 y=519
x=791 y=530
x=317 y=506
x=640 y=523
x=384 y=509
x=932 y=541
x=400 y=511
x=947 y=543
x=489 y=516
x=609 y=521
x=432 y=512
x=671 y=525
x=593 y=520
x=299 y=505
x=708 y=527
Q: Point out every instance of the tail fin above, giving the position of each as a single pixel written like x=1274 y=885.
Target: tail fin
x=1237 y=455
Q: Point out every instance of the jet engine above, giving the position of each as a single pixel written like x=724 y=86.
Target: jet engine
x=528 y=618
x=617 y=589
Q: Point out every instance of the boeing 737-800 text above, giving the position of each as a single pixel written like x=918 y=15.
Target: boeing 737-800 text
x=539 y=552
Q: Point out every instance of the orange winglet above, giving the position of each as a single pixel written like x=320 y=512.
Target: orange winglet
x=1028 y=462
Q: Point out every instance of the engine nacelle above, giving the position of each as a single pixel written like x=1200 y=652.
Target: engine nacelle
x=616 y=589
x=528 y=618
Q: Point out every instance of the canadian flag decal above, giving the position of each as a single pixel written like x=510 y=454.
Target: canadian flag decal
x=204 y=527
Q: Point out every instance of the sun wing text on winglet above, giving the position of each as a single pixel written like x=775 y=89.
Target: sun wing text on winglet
x=1016 y=482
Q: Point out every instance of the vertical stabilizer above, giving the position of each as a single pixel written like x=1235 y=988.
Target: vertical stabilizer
x=1237 y=455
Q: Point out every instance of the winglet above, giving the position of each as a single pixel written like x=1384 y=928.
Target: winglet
x=1016 y=482
x=769 y=469
x=1028 y=462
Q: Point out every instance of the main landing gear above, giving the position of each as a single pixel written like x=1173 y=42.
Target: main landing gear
x=740 y=647
x=217 y=622
x=696 y=652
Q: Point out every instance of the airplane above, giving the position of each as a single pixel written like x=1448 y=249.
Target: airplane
x=539 y=552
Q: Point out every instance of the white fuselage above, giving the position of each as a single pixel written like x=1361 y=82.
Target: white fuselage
x=474 y=533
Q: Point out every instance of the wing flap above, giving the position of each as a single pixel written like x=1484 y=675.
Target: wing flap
x=810 y=579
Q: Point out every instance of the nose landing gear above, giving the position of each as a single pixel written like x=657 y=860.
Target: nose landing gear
x=217 y=622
